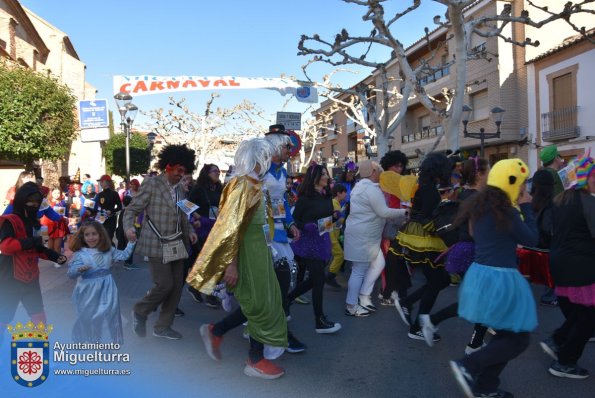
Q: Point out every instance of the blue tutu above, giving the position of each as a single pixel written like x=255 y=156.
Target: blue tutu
x=499 y=298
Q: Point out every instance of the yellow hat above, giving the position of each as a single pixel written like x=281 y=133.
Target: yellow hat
x=509 y=175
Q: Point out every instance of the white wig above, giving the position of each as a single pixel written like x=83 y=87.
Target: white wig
x=279 y=141
x=250 y=153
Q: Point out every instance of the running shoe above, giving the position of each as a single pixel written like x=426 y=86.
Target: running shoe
x=263 y=369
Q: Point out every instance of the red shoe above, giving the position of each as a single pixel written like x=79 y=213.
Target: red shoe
x=212 y=343
x=263 y=369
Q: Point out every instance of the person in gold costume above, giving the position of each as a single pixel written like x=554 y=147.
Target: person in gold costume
x=236 y=250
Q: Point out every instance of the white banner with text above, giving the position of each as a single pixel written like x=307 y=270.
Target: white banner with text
x=148 y=84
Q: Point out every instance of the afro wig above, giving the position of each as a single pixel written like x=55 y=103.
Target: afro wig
x=393 y=158
x=176 y=154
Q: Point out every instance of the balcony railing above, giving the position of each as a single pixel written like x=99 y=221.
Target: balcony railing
x=426 y=132
x=560 y=124
x=445 y=70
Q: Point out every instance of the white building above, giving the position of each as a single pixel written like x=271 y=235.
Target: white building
x=561 y=98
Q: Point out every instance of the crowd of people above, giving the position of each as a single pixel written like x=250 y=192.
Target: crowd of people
x=261 y=241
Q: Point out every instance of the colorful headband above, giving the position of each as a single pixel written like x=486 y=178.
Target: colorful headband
x=584 y=167
x=350 y=166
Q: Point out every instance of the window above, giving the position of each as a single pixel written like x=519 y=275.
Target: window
x=352 y=143
x=561 y=122
x=423 y=123
x=333 y=149
x=479 y=103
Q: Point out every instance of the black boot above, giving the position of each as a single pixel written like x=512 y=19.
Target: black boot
x=323 y=325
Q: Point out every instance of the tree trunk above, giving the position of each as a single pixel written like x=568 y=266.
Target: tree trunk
x=460 y=36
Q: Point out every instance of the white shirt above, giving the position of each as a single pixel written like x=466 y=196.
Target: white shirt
x=363 y=231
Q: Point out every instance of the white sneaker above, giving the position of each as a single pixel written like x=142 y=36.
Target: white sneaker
x=366 y=302
x=356 y=310
x=470 y=350
x=427 y=329
x=146 y=259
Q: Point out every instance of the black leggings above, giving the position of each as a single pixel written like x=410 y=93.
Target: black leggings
x=436 y=280
x=396 y=275
x=233 y=320
x=452 y=311
x=575 y=332
x=487 y=364
x=314 y=282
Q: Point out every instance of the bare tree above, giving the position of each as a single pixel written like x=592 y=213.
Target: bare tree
x=386 y=101
x=209 y=131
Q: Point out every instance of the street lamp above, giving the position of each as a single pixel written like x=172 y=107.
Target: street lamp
x=497 y=114
x=336 y=157
x=390 y=139
x=128 y=112
x=367 y=146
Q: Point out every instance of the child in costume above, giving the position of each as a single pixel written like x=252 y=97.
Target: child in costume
x=493 y=292
x=21 y=248
x=571 y=261
x=339 y=194
x=96 y=294
x=237 y=250
x=460 y=255
x=57 y=231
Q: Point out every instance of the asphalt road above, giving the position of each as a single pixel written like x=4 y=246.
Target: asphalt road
x=368 y=357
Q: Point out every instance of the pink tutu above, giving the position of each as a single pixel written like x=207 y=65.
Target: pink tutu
x=584 y=295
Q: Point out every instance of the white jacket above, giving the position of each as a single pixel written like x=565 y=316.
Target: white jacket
x=363 y=231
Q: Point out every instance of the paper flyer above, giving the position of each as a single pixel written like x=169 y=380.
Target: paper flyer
x=325 y=225
x=568 y=175
x=187 y=206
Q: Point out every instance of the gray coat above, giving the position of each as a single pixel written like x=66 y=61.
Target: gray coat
x=155 y=200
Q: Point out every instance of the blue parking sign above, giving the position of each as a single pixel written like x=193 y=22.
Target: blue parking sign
x=93 y=113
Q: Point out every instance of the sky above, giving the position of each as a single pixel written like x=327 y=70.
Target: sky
x=255 y=38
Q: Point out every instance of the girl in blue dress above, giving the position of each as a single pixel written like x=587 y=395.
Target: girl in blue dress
x=95 y=296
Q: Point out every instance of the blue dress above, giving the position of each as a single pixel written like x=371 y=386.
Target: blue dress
x=95 y=296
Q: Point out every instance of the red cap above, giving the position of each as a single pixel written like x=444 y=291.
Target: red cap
x=134 y=181
x=105 y=177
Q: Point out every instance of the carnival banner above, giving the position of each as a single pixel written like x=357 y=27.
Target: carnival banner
x=148 y=84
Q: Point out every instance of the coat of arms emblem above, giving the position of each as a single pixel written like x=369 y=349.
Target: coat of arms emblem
x=29 y=353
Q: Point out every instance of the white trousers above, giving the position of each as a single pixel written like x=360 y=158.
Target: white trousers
x=363 y=276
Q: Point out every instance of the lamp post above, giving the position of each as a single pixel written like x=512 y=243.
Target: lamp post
x=128 y=112
x=336 y=157
x=367 y=146
x=390 y=139
x=497 y=114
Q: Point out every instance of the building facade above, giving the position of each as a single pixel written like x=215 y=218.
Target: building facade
x=498 y=79
x=32 y=42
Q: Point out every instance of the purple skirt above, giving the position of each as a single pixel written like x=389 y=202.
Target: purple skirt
x=312 y=245
x=460 y=257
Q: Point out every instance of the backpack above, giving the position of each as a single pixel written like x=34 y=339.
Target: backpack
x=443 y=217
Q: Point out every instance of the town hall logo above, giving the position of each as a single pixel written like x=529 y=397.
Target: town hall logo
x=29 y=353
